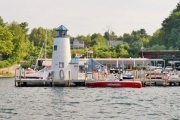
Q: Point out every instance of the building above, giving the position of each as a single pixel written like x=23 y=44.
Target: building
x=76 y=44
x=114 y=62
x=167 y=55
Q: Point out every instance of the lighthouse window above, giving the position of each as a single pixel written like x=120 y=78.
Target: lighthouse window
x=55 y=47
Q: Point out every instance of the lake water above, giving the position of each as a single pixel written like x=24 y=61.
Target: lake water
x=81 y=103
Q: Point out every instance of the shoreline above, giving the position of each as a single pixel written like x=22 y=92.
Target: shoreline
x=6 y=77
x=8 y=72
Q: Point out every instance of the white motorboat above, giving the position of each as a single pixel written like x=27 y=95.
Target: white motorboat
x=41 y=74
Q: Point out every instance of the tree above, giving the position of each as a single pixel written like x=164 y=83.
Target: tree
x=173 y=38
x=109 y=34
x=98 y=39
x=40 y=36
x=158 y=47
x=86 y=39
x=37 y=36
x=123 y=52
x=6 y=45
x=2 y=24
x=170 y=27
x=20 y=42
x=157 y=38
x=128 y=38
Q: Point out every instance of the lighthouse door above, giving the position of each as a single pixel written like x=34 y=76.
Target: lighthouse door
x=61 y=75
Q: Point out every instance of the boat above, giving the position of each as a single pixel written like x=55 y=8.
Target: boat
x=114 y=83
x=41 y=74
x=155 y=73
x=154 y=76
x=30 y=71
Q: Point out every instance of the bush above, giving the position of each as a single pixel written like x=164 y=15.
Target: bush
x=4 y=63
x=25 y=65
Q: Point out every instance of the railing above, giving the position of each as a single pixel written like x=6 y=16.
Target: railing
x=144 y=75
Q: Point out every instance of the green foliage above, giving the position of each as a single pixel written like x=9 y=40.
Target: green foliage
x=40 y=38
x=98 y=39
x=169 y=34
x=37 y=36
x=110 y=35
x=4 y=63
x=26 y=65
x=158 y=47
x=86 y=39
x=157 y=38
x=6 y=45
x=2 y=24
x=20 y=42
x=80 y=51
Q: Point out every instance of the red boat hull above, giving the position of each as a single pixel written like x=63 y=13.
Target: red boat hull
x=115 y=84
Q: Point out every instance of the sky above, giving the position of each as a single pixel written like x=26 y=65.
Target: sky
x=86 y=17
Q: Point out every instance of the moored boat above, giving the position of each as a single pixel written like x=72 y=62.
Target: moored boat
x=30 y=71
x=115 y=84
x=41 y=74
x=154 y=76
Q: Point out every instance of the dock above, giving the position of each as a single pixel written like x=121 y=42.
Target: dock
x=70 y=83
x=25 y=82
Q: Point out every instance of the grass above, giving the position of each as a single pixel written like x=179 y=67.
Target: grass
x=4 y=73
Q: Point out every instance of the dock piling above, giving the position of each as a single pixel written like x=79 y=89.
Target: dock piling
x=69 y=80
x=15 y=77
x=52 y=73
x=20 y=78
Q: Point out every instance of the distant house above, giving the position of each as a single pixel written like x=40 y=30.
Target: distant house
x=76 y=44
x=114 y=42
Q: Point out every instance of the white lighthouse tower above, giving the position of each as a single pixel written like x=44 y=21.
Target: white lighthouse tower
x=61 y=54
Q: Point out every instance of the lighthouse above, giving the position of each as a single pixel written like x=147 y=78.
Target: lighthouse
x=61 y=54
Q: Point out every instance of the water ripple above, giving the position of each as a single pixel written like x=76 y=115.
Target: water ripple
x=44 y=103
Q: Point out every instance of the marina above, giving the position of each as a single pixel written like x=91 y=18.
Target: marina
x=62 y=70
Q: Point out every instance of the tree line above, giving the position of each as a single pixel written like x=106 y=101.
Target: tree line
x=17 y=45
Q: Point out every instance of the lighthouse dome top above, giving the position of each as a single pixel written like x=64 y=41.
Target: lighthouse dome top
x=60 y=28
x=61 y=31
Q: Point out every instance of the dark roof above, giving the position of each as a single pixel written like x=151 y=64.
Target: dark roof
x=60 y=28
x=74 y=61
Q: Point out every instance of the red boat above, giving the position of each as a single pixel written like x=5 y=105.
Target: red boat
x=115 y=84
